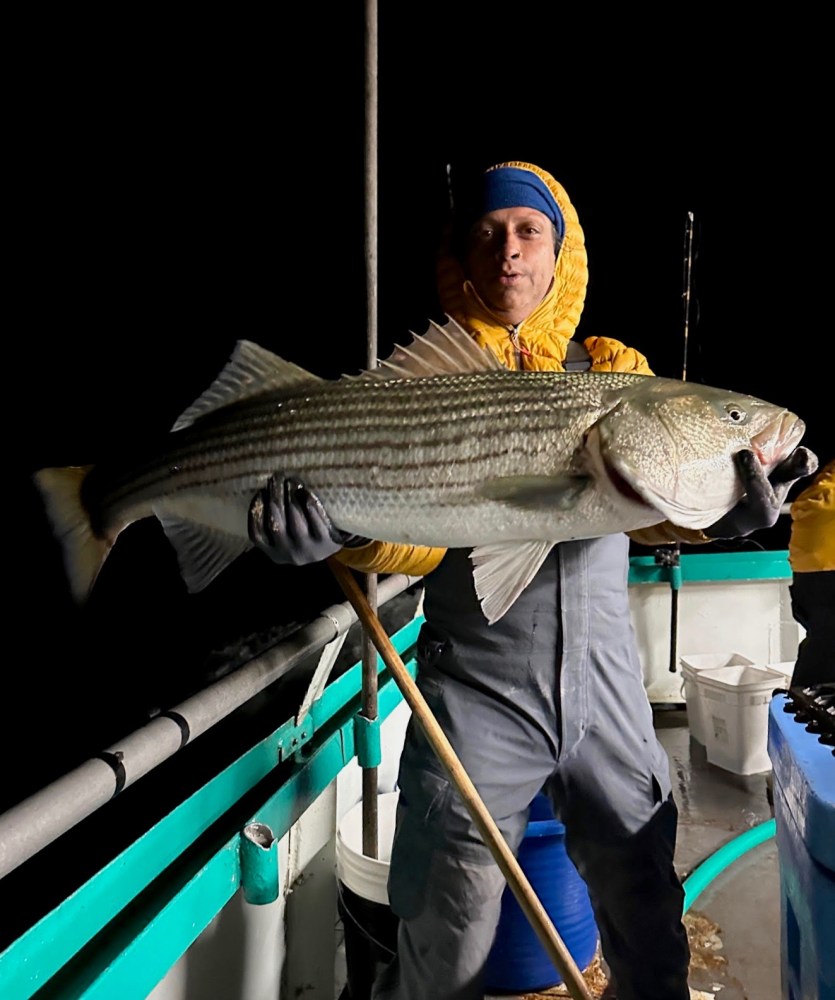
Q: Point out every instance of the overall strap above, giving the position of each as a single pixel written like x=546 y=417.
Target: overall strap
x=577 y=358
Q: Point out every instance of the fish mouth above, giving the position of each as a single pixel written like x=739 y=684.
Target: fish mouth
x=778 y=439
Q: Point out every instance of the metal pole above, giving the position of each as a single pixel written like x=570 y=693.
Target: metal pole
x=369 y=652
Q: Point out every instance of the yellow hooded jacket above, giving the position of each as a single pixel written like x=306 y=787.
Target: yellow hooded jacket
x=812 y=538
x=538 y=344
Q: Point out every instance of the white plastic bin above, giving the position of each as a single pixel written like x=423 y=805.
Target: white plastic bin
x=734 y=704
x=786 y=668
x=691 y=665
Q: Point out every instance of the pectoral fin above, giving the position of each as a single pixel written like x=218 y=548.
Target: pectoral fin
x=536 y=492
x=502 y=571
x=206 y=536
x=202 y=553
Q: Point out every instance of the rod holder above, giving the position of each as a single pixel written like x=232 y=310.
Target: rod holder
x=367 y=741
x=259 y=864
x=669 y=559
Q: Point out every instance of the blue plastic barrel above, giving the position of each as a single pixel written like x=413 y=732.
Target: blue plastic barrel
x=518 y=963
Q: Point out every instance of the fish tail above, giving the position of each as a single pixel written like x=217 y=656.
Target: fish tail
x=83 y=551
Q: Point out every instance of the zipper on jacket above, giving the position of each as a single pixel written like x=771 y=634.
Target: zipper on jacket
x=517 y=347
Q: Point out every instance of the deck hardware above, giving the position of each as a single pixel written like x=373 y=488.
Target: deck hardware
x=259 y=864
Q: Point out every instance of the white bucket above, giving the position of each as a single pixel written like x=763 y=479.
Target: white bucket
x=367 y=877
x=691 y=665
x=784 y=667
x=734 y=703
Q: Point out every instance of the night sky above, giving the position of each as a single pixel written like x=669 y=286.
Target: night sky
x=181 y=186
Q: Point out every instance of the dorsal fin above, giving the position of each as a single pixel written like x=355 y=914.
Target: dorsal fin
x=446 y=349
x=251 y=371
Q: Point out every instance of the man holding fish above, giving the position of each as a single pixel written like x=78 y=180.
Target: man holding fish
x=549 y=695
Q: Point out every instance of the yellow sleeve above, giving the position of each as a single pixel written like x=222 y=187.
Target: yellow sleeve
x=387 y=557
x=610 y=355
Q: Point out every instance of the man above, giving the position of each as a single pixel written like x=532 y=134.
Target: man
x=551 y=695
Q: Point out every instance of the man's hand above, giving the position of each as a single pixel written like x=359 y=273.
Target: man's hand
x=764 y=496
x=288 y=522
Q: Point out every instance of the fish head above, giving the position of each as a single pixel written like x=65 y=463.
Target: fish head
x=672 y=444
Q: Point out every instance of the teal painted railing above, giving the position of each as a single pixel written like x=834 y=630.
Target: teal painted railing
x=714 y=567
x=120 y=932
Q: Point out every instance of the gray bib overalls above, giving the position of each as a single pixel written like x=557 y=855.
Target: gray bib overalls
x=551 y=696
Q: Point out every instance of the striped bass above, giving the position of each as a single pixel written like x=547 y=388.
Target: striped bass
x=438 y=445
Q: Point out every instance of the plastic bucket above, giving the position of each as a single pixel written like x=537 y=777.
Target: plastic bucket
x=369 y=926
x=518 y=963
x=735 y=702
x=691 y=666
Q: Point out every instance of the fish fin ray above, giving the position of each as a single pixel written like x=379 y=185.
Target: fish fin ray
x=502 y=571
x=251 y=371
x=536 y=492
x=441 y=350
x=203 y=552
x=82 y=550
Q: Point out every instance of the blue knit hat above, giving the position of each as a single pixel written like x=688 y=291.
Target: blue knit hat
x=510 y=187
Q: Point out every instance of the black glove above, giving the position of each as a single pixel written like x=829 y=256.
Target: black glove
x=760 y=506
x=288 y=522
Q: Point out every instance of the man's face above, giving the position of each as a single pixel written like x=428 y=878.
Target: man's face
x=510 y=260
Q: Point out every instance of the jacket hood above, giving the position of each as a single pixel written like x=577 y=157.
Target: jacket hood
x=557 y=316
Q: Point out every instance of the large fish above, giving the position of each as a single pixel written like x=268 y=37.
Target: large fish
x=439 y=445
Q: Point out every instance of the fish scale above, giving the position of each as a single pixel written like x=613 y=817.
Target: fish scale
x=327 y=434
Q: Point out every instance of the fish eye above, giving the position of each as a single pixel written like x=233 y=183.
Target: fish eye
x=736 y=414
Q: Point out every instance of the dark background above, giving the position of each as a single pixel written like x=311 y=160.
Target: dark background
x=179 y=186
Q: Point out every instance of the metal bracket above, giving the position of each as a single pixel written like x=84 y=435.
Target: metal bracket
x=669 y=558
x=294 y=739
x=327 y=659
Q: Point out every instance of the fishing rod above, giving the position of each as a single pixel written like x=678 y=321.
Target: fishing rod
x=670 y=556
x=688 y=271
